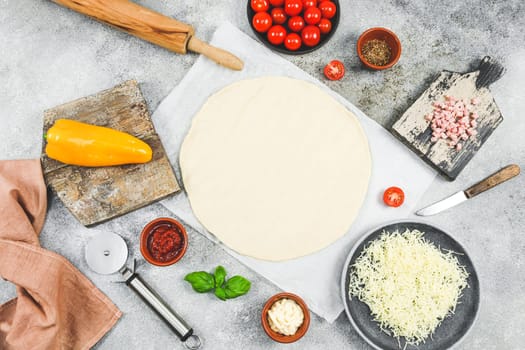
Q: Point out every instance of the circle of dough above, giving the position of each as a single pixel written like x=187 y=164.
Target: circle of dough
x=275 y=168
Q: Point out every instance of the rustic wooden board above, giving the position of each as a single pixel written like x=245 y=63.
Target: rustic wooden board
x=94 y=195
x=414 y=131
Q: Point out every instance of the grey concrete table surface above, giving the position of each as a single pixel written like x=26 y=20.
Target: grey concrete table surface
x=50 y=55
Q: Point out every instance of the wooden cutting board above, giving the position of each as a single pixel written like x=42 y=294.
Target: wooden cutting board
x=94 y=195
x=414 y=131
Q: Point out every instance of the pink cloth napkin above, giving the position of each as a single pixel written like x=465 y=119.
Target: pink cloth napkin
x=57 y=306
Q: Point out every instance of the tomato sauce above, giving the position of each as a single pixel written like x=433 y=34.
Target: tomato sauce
x=165 y=241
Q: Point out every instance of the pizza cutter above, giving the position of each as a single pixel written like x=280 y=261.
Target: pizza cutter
x=107 y=253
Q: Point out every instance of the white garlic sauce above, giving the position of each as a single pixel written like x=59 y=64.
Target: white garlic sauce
x=285 y=316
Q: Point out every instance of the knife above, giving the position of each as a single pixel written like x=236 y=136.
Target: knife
x=495 y=179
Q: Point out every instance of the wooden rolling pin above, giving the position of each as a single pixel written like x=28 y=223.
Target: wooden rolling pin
x=151 y=26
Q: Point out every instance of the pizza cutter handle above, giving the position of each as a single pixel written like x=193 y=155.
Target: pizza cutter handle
x=174 y=321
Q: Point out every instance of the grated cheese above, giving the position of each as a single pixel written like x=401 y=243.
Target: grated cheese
x=408 y=283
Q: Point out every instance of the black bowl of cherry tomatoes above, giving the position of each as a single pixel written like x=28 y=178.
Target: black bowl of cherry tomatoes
x=294 y=26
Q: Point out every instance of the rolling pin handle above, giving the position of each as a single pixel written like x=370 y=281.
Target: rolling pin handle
x=222 y=57
x=151 y=26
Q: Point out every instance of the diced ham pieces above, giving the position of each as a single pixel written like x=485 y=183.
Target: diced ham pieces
x=453 y=121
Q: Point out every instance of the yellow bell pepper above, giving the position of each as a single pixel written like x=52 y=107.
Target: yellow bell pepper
x=73 y=142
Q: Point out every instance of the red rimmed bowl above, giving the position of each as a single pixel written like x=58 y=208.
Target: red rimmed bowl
x=163 y=241
x=278 y=337
x=386 y=35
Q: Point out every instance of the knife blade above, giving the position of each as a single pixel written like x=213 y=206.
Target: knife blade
x=493 y=180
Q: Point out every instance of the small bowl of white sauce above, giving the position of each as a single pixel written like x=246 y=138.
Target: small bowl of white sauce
x=285 y=317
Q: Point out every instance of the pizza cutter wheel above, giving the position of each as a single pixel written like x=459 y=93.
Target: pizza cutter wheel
x=107 y=253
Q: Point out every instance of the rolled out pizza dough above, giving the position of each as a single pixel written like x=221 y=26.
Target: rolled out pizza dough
x=275 y=167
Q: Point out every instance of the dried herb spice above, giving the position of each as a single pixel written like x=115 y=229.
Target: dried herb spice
x=377 y=52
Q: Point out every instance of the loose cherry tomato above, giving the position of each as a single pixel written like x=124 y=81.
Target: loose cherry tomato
x=278 y=15
x=325 y=26
x=309 y=3
x=334 y=70
x=276 y=35
x=312 y=15
x=293 y=7
x=311 y=35
x=277 y=3
x=292 y=41
x=327 y=8
x=296 y=23
x=260 y=5
x=262 y=21
x=394 y=196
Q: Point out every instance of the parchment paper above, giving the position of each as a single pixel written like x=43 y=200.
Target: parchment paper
x=316 y=278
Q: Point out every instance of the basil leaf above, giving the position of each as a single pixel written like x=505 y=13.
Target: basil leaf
x=201 y=281
x=220 y=293
x=220 y=274
x=236 y=286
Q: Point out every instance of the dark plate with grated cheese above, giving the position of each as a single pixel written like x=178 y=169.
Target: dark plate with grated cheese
x=453 y=327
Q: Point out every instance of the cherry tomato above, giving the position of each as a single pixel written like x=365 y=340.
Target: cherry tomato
x=262 y=21
x=277 y=3
x=309 y=3
x=312 y=15
x=278 y=15
x=334 y=70
x=293 y=7
x=260 y=5
x=327 y=8
x=394 y=196
x=276 y=35
x=311 y=35
x=296 y=23
x=325 y=26
x=292 y=41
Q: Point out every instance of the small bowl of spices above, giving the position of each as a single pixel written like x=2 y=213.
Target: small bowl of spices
x=378 y=48
x=285 y=318
x=163 y=241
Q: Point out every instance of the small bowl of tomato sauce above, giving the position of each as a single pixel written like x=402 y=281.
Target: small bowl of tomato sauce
x=163 y=241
